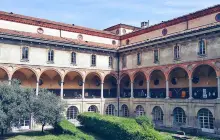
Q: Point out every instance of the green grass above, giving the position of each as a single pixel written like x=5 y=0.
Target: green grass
x=63 y=131
x=39 y=136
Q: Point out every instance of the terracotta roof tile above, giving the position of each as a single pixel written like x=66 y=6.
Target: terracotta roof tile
x=56 y=25
x=59 y=39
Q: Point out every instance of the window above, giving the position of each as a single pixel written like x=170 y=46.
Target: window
x=156 y=56
x=139 y=111
x=202 y=47
x=73 y=58
x=179 y=116
x=138 y=58
x=25 y=53
x=124 y=61
x=72 y=113
x=50 y=55
x=110 y=110
x=93 y=108
x=157 y=114
x=176 y=52
x=217 y=17
x=125 y=111
x=205 y=119
x=110 y=62
x=93 y=60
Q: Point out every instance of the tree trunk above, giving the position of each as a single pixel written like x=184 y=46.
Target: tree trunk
x=43 y=128
x=2 y=132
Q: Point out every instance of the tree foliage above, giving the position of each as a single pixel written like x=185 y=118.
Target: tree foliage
x=48 y=108
x=19 y=103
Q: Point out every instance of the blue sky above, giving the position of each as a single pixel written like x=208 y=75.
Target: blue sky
x=101 y=14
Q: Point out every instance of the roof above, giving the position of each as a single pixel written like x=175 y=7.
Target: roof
x=121 y=26
x=182 y=34
x=174 y=21
x=55 y=25
x=54 y=38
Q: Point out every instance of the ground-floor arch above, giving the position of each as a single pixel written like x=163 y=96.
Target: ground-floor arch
x=139 y=111
x=124 y=110
x=179 y=117
x=72 y=113
x=206 y=120
x=157 y=115
x=93 y=108
x=110 y=110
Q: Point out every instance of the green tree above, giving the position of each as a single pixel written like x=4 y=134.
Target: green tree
x=15 y=104
x=48 y=108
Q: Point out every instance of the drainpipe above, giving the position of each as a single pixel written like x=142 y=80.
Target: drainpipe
x=118 y=56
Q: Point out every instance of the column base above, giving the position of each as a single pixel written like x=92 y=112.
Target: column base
x=167 y=98
x=190 y=98
x=148 y=97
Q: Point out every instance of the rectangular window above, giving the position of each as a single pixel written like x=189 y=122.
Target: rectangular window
x=156 y=56
x=176 y=52
x=202 y=47
x=110 y=62
x=93 y=60
x=73 y=58
x=25 y=53
x=139 y=58
x=50 y=55
x=124 y=61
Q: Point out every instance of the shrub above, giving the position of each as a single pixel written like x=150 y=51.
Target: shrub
x=144 y=121
x=65 y=127
x=117 y=128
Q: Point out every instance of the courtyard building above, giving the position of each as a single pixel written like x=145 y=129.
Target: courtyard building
x=169 y=71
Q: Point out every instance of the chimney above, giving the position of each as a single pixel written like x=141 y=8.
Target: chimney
x=145 y=24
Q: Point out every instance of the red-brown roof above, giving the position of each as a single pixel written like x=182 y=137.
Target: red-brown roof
x=174 y=21
x=121 y=26
x=54 y=38
x=55 y=25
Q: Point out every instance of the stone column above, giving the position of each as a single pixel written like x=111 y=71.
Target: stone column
x=61 y=90
x=148 y=89
x=102 y=90
x=83 y=90
x=190 y=88
x=118 y=90
x=218 y=80
x=167 y=89
x=37 y=87
x=9 y=81
x=132 y=92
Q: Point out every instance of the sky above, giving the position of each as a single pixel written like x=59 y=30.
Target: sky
x=100 y=14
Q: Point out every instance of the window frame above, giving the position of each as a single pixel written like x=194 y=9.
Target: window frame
x=93 y=65
x=158 y=55
x=27 y=57
x=124 y=61
x=49 y=55
x=177 y=55
x=110 y=62
x=73 y=59
x=139 y=58
x=203 y=49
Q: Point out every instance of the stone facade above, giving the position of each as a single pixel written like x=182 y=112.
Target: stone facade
x=116 y=73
